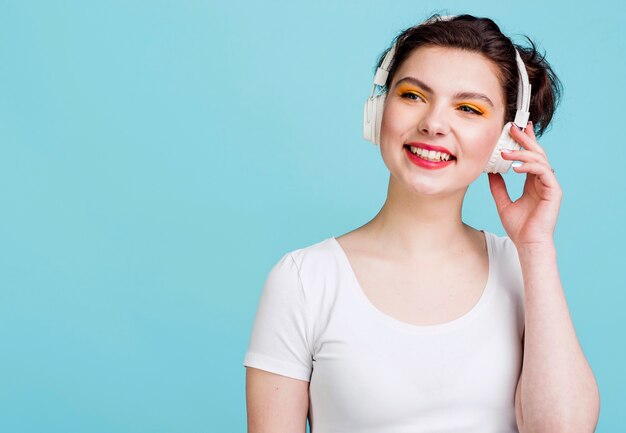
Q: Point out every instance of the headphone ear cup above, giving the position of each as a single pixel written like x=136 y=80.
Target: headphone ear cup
x=372 y=118
x=379 y=106
x=496 y=164
x=368 y=114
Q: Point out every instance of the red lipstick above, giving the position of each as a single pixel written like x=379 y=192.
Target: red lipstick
x=430 y=147
x=424 y=163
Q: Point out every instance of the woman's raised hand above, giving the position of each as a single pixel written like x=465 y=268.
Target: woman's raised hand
x=531 y=218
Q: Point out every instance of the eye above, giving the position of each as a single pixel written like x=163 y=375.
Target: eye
x=470 y=109
x=412 y=96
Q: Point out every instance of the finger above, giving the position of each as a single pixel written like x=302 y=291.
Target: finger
x=524 y=156
x=499 y=191
x=542 y=170
x=525 y=141
x=530 y=130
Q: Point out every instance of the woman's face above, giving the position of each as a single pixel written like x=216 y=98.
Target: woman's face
x=446 y=98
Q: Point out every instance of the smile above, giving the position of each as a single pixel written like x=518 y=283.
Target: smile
x=429 y=155
x=422 y=158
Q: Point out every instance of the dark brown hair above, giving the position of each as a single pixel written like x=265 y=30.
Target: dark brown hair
x=483 y=36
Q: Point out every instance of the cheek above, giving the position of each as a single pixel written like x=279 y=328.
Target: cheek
x=396 y=117
x=489 y=139
x=390 y=132
x=386 y=125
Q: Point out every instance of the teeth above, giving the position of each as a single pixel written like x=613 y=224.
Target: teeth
x=431 y=155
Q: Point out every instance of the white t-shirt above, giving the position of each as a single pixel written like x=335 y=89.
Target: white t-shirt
x=370 y=372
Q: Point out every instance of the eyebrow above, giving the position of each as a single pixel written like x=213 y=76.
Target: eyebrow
x=459 y=95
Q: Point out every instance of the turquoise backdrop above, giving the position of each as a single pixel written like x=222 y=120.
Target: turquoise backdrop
x=158 y=157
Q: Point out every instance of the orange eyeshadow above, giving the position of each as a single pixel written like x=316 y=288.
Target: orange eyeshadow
x=480 y=108
x=409 y=89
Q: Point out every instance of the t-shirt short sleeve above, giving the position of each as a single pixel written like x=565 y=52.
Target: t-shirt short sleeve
x=279 y=341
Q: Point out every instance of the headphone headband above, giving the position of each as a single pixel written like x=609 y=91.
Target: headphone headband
x=523 y=88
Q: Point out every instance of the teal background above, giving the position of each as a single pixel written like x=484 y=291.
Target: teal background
x=158 y=157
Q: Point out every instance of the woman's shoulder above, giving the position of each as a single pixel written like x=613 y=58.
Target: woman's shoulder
x=316 y=255
x=500 y=242
x=504 y=252
x=318 y=247
x=317 y=269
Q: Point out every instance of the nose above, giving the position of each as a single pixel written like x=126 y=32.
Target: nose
x=433 y=122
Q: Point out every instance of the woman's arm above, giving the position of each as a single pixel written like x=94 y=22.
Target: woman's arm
x=275 y=403
x=557 y=391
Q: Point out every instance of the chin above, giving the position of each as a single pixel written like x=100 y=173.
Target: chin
x=433 y=187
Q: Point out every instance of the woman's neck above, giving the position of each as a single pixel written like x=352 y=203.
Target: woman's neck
x=418 y=226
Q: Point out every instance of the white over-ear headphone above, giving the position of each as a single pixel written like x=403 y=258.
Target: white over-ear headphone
x=373 y=110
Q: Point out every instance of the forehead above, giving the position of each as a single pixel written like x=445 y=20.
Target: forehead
x=448 y=71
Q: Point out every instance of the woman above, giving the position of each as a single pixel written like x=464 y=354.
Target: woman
x=417 y=322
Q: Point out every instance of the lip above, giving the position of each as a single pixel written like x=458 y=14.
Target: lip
x=430 y=147
x=431 y=165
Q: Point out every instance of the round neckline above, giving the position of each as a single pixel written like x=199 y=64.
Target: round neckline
x=409 y=327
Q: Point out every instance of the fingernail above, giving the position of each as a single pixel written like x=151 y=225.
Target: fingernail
x=516 y=164
x=506 y=150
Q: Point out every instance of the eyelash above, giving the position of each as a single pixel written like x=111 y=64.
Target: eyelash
x=405 y=95
x=473 y=110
